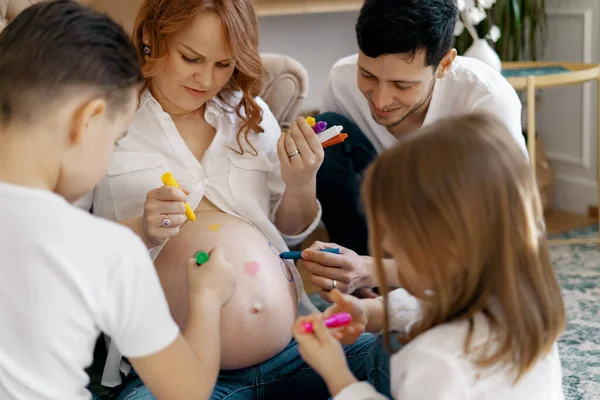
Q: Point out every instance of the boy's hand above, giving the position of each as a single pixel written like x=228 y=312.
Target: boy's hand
x=323 y=353
x=215 y=276
x=355 y=307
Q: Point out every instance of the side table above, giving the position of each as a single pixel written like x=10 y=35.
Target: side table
x=530 y=76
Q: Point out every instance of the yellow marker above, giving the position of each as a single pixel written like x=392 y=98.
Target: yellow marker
x=311 y=121
x=169 y=180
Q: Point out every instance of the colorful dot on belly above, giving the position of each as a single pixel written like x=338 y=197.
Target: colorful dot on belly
x=252 y=268
x=214 y=227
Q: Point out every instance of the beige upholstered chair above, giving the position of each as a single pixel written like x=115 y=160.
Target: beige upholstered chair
x=285 y=83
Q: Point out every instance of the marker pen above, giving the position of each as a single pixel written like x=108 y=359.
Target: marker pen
x=335 y=321
x=297 y=255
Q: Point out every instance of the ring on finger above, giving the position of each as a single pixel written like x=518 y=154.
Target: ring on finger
x=333 y=284
x=166 y=222
x=294 y=154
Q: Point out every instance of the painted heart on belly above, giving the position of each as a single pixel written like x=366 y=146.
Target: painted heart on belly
x=252 y=268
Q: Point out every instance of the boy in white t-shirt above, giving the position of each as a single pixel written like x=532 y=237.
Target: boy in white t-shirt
x=405 y=75
x=69 y=79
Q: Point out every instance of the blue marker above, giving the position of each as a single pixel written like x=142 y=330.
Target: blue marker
x=297 y=255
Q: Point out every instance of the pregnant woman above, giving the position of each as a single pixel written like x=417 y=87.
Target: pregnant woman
x=252 y=188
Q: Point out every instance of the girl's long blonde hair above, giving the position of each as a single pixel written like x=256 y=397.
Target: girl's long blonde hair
x=461 y=201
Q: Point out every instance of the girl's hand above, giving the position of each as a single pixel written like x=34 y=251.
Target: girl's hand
x=323 y=353
x=348 y=334
x=300 y=155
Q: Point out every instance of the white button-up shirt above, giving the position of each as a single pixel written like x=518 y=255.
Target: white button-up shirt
x=244 y=185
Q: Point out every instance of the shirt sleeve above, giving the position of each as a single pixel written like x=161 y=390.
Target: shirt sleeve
x=506 y=106
x=136 y=313
x=359 y=391
x=414 y=370
x=331 y=94
x=404 y=310
x=276 y=184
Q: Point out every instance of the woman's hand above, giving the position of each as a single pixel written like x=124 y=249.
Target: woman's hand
x=323 y=353
x=348 y=334
x=164 y=213
x=300 y=155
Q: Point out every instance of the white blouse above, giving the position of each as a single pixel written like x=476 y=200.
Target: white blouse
x=434 y=367
x=246 y=186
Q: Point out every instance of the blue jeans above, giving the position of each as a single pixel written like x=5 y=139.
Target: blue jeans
x=378 y=364
x=285 y=376
x=338 y=185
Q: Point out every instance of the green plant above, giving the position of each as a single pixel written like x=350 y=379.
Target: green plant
x=522 y=25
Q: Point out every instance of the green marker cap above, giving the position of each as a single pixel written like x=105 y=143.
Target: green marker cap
x=201 y=257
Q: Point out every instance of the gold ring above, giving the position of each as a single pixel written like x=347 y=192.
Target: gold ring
x=293 y=154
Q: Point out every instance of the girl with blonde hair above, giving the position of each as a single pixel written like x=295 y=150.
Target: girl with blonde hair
x=480 y=310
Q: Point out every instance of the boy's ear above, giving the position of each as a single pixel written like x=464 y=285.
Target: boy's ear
x=86 y=115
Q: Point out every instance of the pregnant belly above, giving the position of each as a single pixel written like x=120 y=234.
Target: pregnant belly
x=257 y=322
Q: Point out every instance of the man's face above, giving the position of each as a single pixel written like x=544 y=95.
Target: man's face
x=395 y=85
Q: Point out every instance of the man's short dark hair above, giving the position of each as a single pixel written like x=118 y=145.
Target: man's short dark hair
x=54 y=47
x=407 y=26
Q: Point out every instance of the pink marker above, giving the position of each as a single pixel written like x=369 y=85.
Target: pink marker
x=335 y=321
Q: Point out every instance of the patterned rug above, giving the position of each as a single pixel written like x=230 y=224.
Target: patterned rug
x=578 y=270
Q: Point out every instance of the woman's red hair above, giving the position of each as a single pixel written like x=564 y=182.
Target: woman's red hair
x=157 y=19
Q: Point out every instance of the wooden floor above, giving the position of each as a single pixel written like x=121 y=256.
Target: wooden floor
x=556 y=222
x=561 y=221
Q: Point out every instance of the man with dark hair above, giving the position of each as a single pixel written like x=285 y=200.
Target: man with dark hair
x=405 y=75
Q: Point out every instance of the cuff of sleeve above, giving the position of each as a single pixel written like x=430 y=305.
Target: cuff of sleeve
x=404 y=310
x=297 y=239
x=359 y=390
x=153 y=343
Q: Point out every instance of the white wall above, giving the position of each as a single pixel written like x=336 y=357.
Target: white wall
x=566 y=117
x=567 y=121
x=317 y=41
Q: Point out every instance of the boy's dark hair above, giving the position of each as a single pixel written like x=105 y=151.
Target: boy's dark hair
x=407 y=26
x=54 y=47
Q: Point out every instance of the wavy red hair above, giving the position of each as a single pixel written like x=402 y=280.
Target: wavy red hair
x=158 y=19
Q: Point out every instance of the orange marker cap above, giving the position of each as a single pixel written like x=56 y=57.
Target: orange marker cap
x=337 y=139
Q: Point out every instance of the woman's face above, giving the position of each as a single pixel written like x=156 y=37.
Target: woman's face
x=197 y=66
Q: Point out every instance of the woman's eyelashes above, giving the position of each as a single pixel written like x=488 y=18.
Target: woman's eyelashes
x=198 y=60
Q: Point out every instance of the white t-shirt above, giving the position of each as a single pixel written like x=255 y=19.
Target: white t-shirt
x=469 y=86
x=434 y=367
x=65 y=276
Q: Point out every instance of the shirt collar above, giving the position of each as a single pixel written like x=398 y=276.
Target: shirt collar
x=226 y=102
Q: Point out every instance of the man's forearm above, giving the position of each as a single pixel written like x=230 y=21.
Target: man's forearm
x=389 y=268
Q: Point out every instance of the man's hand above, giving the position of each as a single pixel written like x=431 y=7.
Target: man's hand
x=346 y=272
